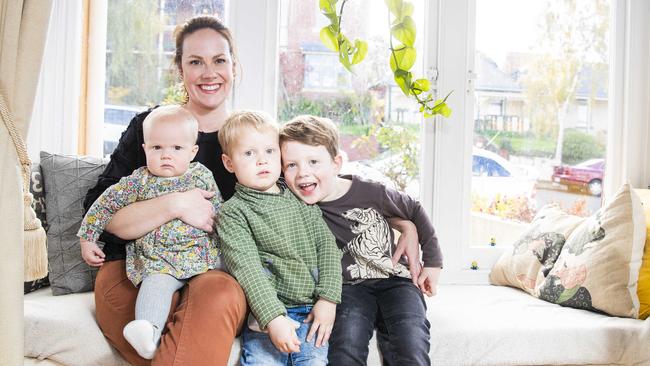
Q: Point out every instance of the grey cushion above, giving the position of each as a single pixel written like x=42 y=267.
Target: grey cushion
x=66 y=180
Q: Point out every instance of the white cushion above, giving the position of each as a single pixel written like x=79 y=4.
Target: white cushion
x=497 y=325
x=63 y=329
x=470 y=325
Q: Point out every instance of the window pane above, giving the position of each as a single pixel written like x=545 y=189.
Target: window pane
x=139 y=53
x=540 y=112
x=379 y=126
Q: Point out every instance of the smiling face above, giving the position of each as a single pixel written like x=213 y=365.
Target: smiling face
x=255 y=159
x=310 y=171
x=169 y=145
x=207 y=68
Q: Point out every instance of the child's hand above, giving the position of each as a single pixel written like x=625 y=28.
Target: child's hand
x=322 y=314
x=283 y=334
x=408 y=244
x=428 y=280
x=91 y=253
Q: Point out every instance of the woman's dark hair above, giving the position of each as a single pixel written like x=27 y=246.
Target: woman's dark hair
x=198 y=23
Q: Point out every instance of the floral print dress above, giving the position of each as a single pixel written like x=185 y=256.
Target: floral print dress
x=175 y=248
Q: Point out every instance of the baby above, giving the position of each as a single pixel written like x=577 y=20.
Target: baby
x=163 y=260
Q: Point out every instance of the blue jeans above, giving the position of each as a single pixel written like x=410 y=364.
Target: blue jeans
x=396 y=308
x=257 y=348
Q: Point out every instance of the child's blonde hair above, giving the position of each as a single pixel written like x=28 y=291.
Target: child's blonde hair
x=237 y=121
x=313 y=131
x=174 y=113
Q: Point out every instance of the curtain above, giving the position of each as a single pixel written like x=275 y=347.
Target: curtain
x=23 y=27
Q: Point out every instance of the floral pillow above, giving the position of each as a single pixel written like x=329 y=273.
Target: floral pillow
x=532 y=256
x=599 y=264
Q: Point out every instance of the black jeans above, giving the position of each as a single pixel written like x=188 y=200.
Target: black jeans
x=396 y=308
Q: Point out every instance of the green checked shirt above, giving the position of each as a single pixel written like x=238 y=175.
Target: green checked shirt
x=280 y=250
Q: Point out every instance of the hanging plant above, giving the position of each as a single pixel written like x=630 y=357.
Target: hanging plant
x=402 y=51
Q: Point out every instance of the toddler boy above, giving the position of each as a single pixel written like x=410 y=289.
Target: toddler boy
x=278 y=248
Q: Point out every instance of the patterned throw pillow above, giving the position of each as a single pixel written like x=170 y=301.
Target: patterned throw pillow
x=532 y=256
x=66 y=180
x=599 y=265
x=36 y=189
x=643 y=290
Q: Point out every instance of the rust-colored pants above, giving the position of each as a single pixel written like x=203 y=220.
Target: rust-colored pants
x=204 y=319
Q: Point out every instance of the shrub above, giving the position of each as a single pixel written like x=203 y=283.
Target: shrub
x=579 y=146
x=348 y=109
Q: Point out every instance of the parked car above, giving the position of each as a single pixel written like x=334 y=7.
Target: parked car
x=587 y=175
x=488 y=164
x=492 y=175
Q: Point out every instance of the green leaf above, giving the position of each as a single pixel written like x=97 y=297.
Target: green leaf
x=404 y=58
x=344 y=54
x=405 y=31
x=422 y=85
x=334 y=22
x=567 y=294
x=394 y=6
x=328 y=38
x=403 y=79
x=445 y=111
x=327 y=6
x=407 y=9
x=361 y=51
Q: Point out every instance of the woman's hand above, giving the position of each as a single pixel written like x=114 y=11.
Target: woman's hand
x=322 y=314
x=194 y=208
x=283 y=334
x=91 y=253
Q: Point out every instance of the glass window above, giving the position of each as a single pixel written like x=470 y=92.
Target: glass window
x=379 y=127
x=540 y=108
x=139 y=53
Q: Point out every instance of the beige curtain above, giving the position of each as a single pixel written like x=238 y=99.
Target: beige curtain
x=23 y=26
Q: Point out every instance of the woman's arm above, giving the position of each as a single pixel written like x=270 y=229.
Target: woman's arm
x=137 y=219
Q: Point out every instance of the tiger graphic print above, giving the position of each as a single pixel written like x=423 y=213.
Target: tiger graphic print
x=371 y=247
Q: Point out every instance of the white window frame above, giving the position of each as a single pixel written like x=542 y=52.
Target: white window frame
x=628 y=152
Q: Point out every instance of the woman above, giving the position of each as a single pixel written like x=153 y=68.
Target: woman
x=208 y=313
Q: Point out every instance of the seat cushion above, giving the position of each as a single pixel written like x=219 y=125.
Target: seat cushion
x=498 y=325
x=63 y=329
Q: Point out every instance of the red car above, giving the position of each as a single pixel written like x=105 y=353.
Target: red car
x=586 y=175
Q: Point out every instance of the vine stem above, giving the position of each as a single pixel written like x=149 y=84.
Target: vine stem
x=341 y=16
x=390 y=39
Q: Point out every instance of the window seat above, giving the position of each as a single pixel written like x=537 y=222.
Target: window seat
x=470 y=325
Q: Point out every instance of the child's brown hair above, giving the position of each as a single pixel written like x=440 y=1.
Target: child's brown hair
x=313 y=131
x=231 y=130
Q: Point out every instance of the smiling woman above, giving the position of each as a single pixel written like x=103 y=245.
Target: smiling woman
x=141 y=61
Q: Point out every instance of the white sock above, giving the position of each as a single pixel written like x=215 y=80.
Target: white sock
x=143 y=336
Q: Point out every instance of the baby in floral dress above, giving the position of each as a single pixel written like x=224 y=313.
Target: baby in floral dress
x=163 y=260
